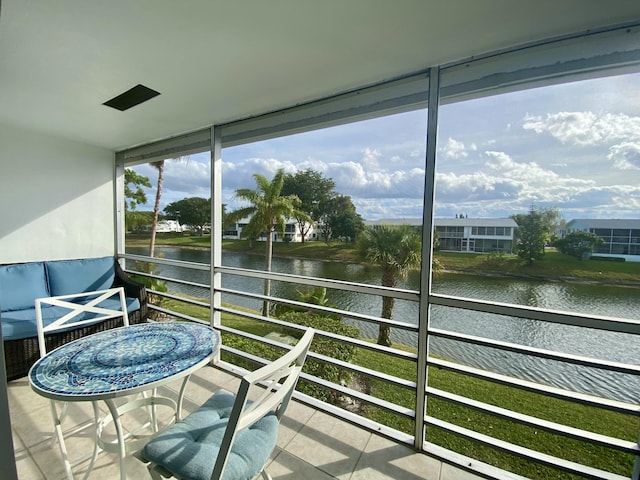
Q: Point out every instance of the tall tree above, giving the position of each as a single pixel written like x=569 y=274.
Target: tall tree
x=195 y=211
x=134 y=195
x=552 y=221
x=397 y=250
x=267 y=213
x=159 y=165
x=312 y=189
x=133 y=191
x=339 y=218
x=156 y=206
x=532 y=235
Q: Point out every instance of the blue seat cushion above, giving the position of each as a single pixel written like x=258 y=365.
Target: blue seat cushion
x=21 y=284
x=19 y=324
x=189 y=448
x=77 y=276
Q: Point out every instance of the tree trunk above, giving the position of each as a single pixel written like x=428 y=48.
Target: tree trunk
x=384 y=333
x=267 y=283
x=156 y=207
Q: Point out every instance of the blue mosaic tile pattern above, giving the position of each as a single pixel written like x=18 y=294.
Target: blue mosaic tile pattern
x=123 y=358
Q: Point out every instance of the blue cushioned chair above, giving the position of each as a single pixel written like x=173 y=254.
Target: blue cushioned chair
x=230 y=437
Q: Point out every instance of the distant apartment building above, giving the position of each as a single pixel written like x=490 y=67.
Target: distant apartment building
x=621 y=236
x=291 y=232
x=479 y=235
x=166 y=226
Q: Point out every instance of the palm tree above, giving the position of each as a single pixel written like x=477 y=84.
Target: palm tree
x=159 y=165
x=268 y=213
x=156 y=206
x=397 y=249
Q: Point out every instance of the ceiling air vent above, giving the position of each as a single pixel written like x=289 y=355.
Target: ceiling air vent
x=131 y=98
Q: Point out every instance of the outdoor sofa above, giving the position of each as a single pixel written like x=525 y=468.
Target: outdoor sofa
x=22 y=283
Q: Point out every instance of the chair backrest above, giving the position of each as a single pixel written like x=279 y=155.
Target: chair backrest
x=280 y=377
x=80 y=314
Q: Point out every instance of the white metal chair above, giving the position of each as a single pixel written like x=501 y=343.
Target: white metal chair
x=76 y=312
x=79 y=314
x=230 y=437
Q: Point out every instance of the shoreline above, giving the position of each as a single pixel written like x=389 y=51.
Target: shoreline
x=540 y=278
x=461 y=271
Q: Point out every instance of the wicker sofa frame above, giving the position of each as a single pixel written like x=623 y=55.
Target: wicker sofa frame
x=21 y=354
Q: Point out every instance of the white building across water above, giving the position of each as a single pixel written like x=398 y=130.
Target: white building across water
x=479 y=235
x=621 y=236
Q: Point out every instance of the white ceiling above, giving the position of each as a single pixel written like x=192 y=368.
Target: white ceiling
x=214 y=61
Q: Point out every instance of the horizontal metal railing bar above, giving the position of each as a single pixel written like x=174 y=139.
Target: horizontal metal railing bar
x=332 y=410
x=370 y=400
x=354 y=341
x=188 y=300
x=542 y=314
x=557 y=428
x=355 y=419
x=352 y=367
x=538 y=352
x=406 y=412
x=547 y=390
x=257 y=338
x=402 y=294
x=166 y=261
x=173 y=313
x=170 y=279
x=344 y=313
x=377 y=290
x=470 y=464
x=538 y=457
x=397 y=409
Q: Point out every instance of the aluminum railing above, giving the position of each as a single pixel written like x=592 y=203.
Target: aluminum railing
x=630 y=327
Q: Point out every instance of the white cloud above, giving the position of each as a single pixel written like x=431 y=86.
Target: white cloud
x=586 y=129
x=188 y=176
x=370 y=158
x=454 y=149
x=625 y=156
x=505 y=186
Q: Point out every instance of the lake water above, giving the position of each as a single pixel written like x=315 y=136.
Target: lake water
x=623 y=302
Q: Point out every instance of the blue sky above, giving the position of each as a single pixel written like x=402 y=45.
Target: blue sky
x=574 y=146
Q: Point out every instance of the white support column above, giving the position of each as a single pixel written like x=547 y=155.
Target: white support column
x=119 y=207
x=427 y=255
x=216 y=227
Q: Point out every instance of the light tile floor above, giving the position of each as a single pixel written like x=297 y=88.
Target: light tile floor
x=311 y=445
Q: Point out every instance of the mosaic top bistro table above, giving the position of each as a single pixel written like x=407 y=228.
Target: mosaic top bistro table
x=119 y=363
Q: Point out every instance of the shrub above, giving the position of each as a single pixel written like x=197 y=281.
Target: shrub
x=325 y=346
x=495 y=259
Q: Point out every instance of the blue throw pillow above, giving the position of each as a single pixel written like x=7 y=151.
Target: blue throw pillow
x=77 y=276
x=21 y=284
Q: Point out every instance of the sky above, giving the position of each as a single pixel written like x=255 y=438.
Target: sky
x=574 y=147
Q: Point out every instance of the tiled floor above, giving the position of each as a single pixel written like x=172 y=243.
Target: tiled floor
x=312 y=445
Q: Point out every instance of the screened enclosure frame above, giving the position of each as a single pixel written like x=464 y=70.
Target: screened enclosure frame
x=573 y=57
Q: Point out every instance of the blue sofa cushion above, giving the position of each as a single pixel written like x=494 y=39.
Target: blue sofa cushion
x=21 y=284
x=113 y=303
x=189 y=448
x=77 y=276
x=19 y=324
